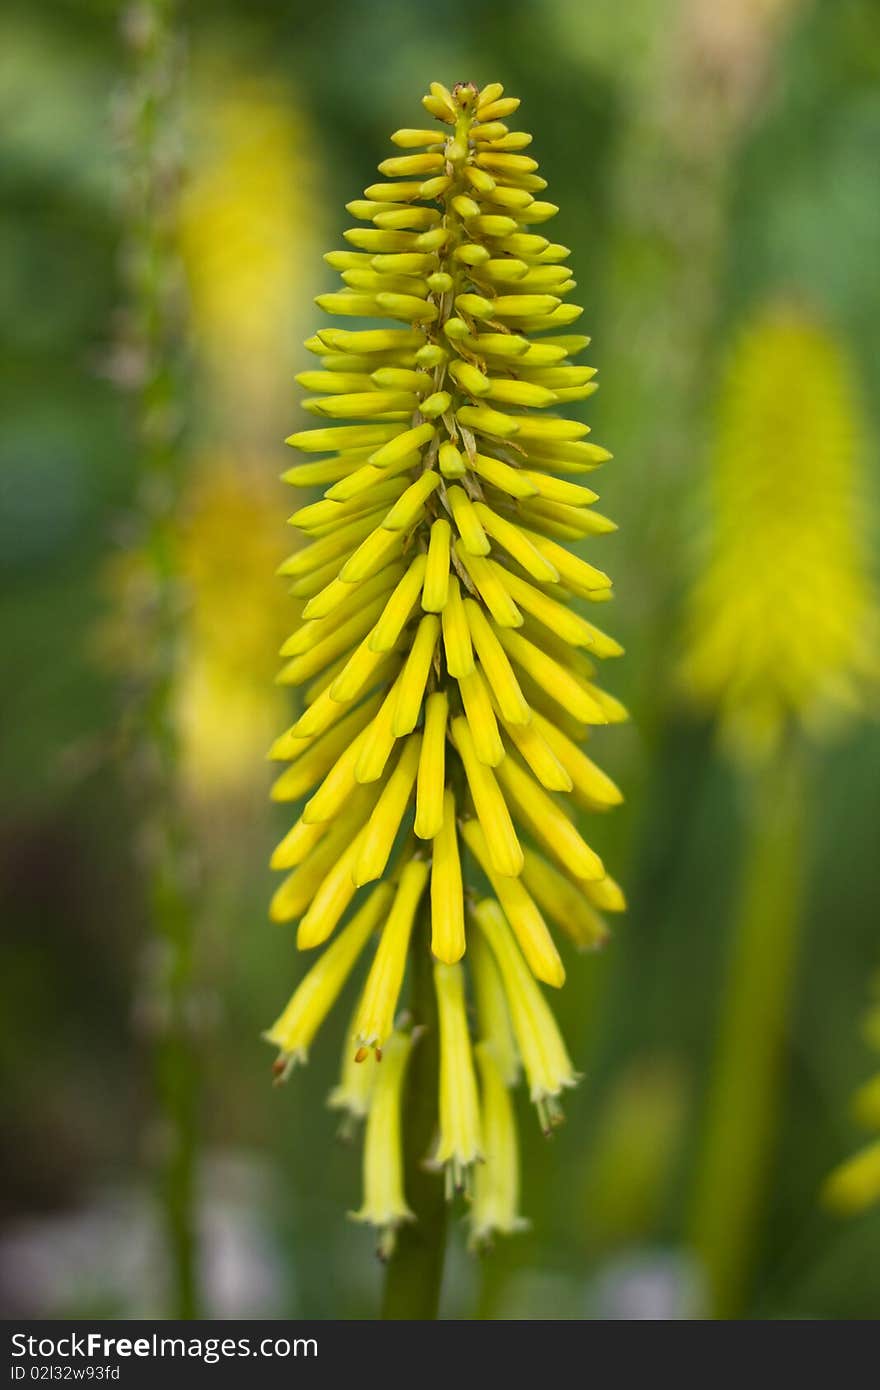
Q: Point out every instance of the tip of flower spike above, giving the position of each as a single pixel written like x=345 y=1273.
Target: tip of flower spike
x=466 y=95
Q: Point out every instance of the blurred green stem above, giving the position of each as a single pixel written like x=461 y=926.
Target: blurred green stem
x=415 y=1271
x=152 y=368
x=747 y=1069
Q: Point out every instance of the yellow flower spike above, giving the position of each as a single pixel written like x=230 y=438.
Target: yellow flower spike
x=436 y=587
x=456 y=634
x=459 y=1145
x=432 y=768
x=786 y=460
x=384 y=823
x=382 y=989
x=294 y=1031
x=521 y=912
x=442 y=645
x=481 y=718
x=494 y=1208
x=384 y=1205
x=415 y=675
x=399 y=607
x=545 y=1059
x=447 y=892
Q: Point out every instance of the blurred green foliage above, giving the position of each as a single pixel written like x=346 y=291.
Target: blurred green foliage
x=686 y=201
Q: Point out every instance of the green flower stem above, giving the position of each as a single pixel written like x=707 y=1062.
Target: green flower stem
x=747 y=1070
x=415 y=1270
x=155 y=375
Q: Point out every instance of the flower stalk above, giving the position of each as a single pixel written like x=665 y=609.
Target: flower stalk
x=155 y=377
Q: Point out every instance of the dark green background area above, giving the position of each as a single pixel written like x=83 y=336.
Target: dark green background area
x=793 y=201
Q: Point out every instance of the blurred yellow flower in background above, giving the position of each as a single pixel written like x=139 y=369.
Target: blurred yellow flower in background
x=226 y=705
x=782 y=623
x=854 y=1185
x=246 y=231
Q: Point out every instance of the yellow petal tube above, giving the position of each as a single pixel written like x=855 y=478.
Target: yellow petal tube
x=384 y=1204
x=375 y=1015
x=564 y=902
x=540 y=1044
x=432 y=767
x=384 y=823
x=447 y=893
x=493 y=1015
x=505 y=851
x=293 y=1032
x=449 y=674
x=354 y=1090
x=456 y=634
x=459 y=1142
x=481 y=718
x=415 y=676
x=521 y=912
x=549 y=823
x=437 y=572
x=495 y=1205
x=398 y=607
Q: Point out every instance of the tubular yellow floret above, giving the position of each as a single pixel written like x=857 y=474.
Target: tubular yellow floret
x=459 y=1143
x=384 y=1205
x=293 y=1032
x=540 y=1044
x=495 y=1205
x=447 y=671
x=447 y=892
x=492 y=1014
x=377 y=1007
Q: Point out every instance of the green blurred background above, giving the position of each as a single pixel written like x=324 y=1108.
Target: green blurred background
x=707 y=158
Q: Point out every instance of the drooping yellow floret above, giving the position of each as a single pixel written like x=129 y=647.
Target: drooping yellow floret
x=446 y=666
